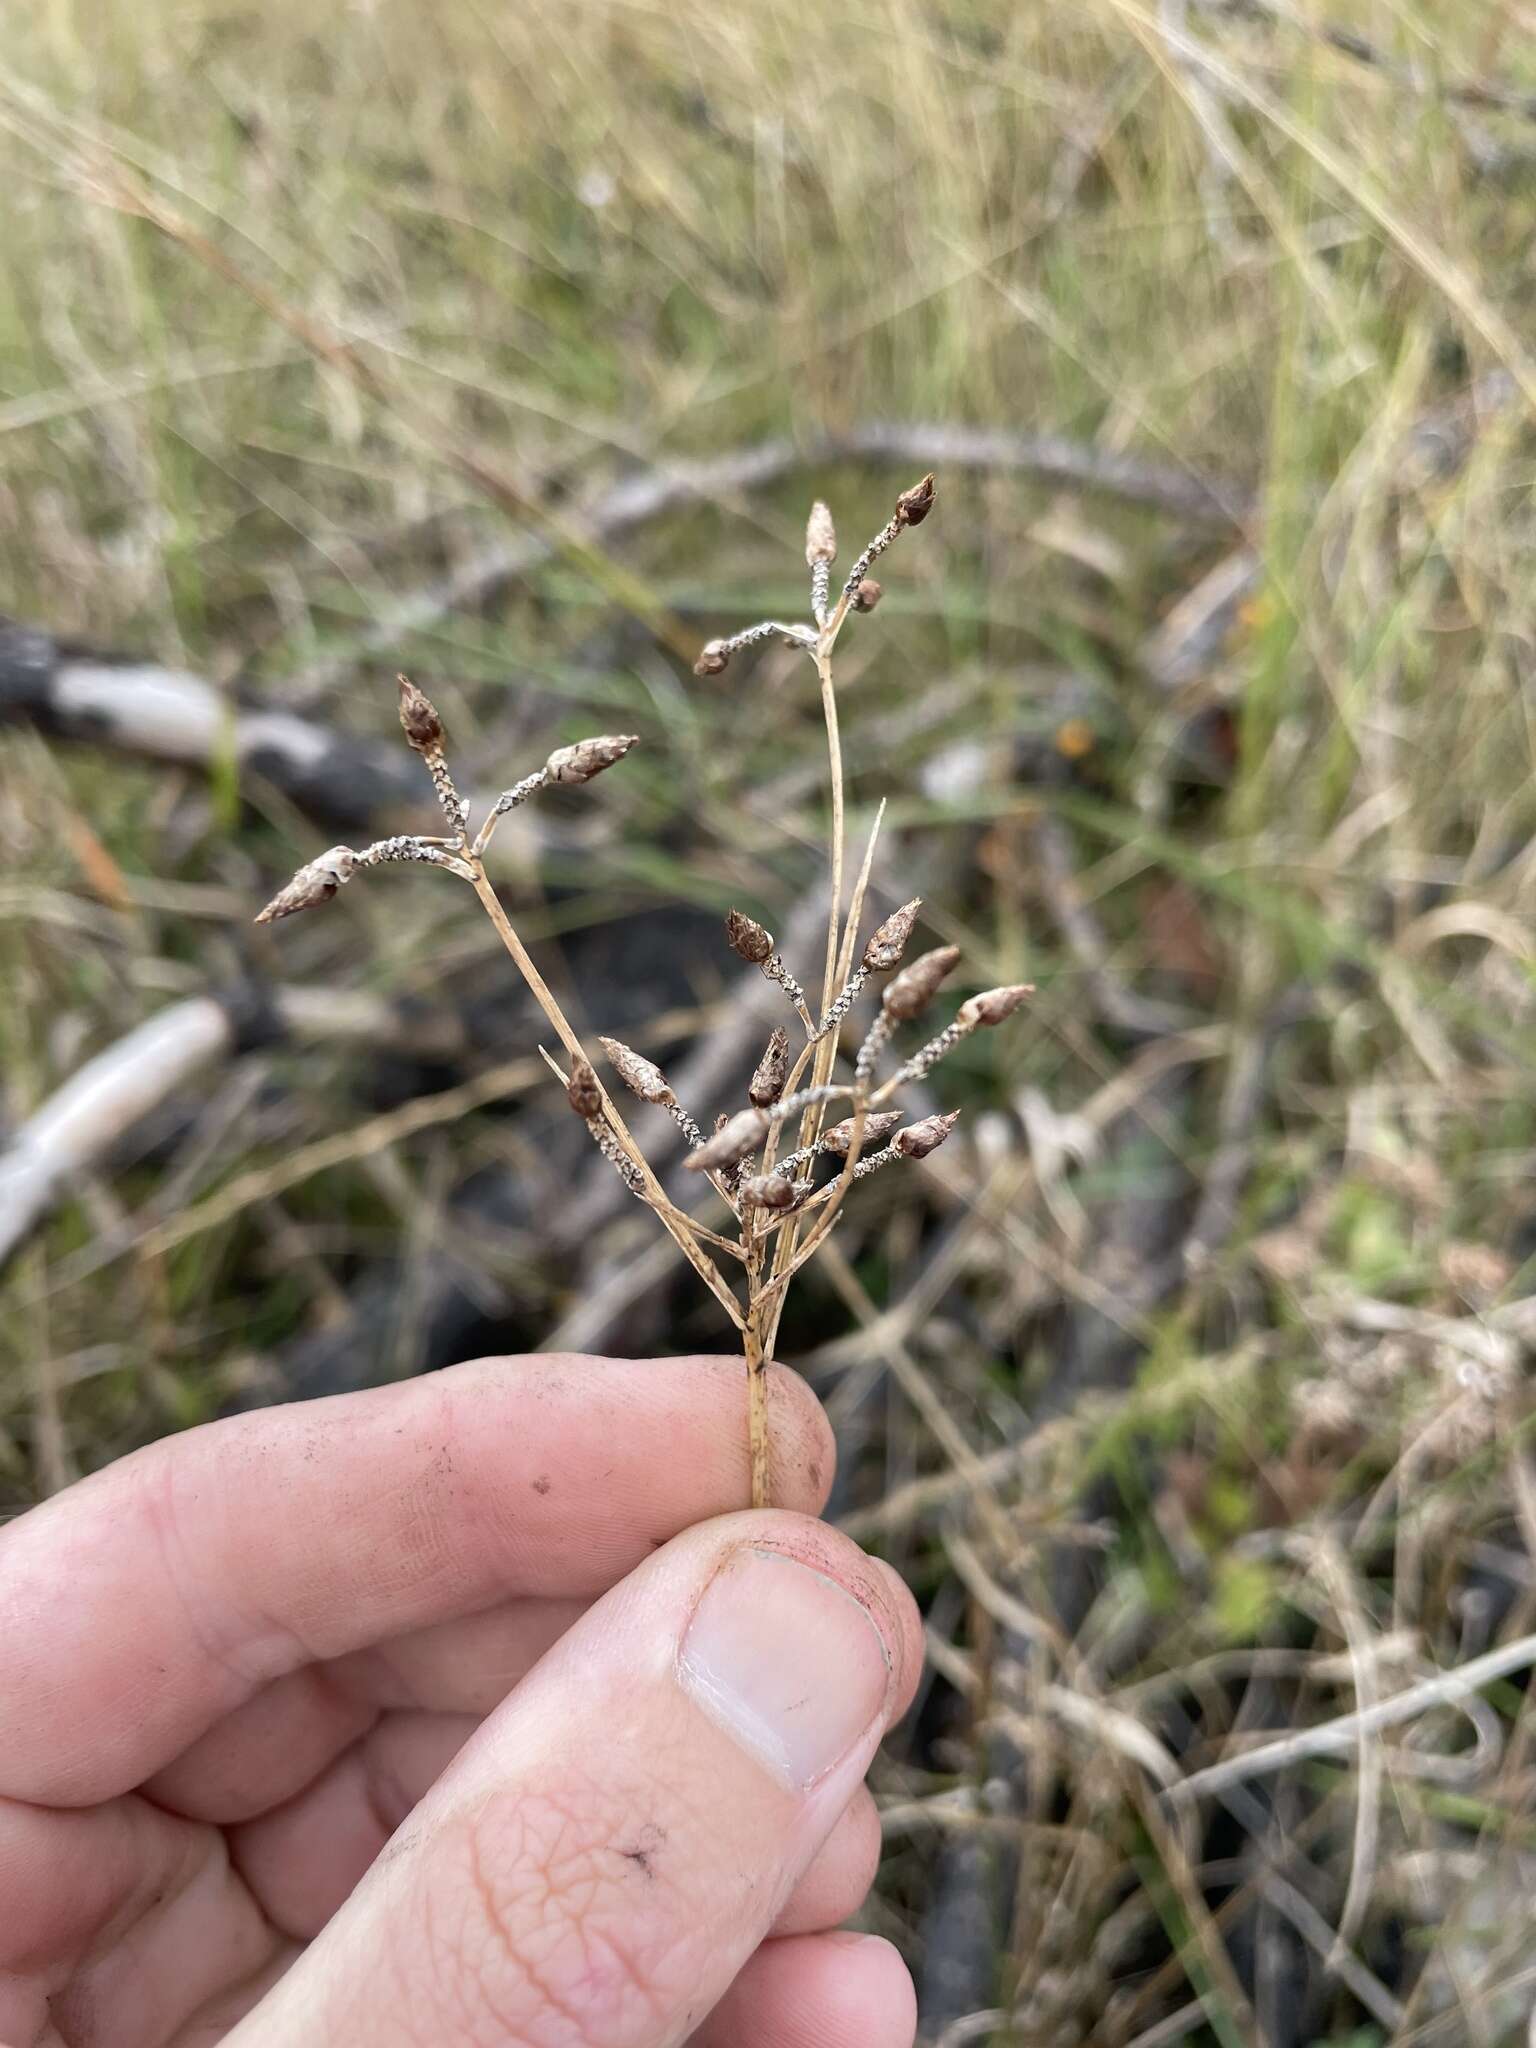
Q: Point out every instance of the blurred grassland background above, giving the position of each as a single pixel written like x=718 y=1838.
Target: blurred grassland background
x=1190 y=1383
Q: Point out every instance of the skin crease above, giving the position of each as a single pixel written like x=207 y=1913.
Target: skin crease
x=363 y=1723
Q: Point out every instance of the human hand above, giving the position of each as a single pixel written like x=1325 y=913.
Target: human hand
x=444 y=1716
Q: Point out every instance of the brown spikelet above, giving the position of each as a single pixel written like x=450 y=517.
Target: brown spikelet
x=887 y=942
x=583 y=1093
x=913 y=506
x=768 y=1191
x=820 y=536
x=714 y=659
x=579 y=763
x=741 y=1134
x=878 y=1126
x=993 y=1005
x=867 y=595
x=747 y=937
x=419 y=719
x=767 y=1083
x=640 y=1076
x=919 y=1139
x=316 y=882
x=910 y=993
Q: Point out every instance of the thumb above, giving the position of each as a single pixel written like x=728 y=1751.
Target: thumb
x=605 y=1855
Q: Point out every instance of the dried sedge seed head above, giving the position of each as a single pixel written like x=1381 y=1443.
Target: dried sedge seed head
x=767 y=1083
x=820 y=536
x=418 y=716
x=768 y=1191
x=583 y=1093
x=579 y=763
x=714 y=659
x=910 y=993
x=867 y=595
x=738 y=1136
x=316 y=882
x=918 y=1140
x=994 y=1004
x=748 y=938
x=878 y=1126
x=913 y=506
x=887 y=942
x=640 y=1076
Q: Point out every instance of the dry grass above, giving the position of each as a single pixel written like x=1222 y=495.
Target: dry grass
x=1193 y=1391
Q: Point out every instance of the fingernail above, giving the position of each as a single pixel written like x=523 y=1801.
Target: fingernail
x=787 y=1662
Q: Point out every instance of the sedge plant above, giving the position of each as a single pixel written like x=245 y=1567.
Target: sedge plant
x=766 y=1199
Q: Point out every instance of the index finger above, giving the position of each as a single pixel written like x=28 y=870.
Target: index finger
x=144 y=1604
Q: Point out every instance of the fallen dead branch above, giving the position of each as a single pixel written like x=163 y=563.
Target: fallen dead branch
x=144 y=708
x=163 y=714
x=1482 y=95
x=634 y=501
x=79 y=1127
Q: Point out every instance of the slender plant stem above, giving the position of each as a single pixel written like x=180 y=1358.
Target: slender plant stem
x=677 y=1225
x=824 y=1050
x=543 y=995
x=829 y=1202
x=757 y=1419
x=756 y=1356
x=835 y=766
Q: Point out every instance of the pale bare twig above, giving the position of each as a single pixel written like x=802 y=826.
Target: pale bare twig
x=75 y=1132
x=1339 y=1736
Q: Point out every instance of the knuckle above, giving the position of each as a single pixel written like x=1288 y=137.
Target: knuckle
x=249 y=1648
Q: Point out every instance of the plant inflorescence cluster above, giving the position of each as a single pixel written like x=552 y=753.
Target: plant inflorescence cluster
x=769 y=1204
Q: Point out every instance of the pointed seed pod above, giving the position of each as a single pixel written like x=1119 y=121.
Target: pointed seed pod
x=714 y=659
x=768 y=1191
x=316 y=882
x=887 y=942
x=878 y=1126
x=639 y=1075
x=867 y=595
x=913 y=506
x=910 y=993
x=767 y=1083
x=741 y=1134
x=747 y=937
x=820 y=536
x=579 y=763
x=418 y=716
x=918 y=1140
x=582 y=1091
x=994 y=1004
